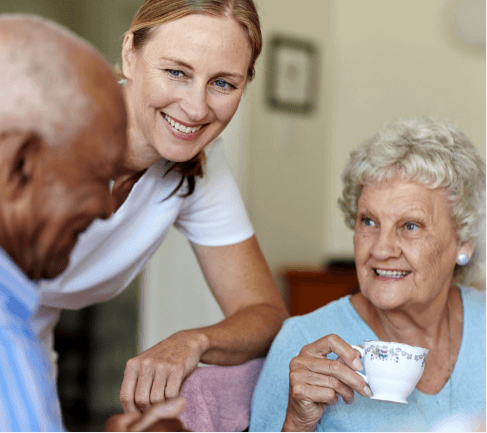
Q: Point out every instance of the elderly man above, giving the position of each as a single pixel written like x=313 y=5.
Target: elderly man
x=62 y=137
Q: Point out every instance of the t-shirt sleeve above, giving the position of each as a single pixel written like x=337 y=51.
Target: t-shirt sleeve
x=215 y=214
x=270 y=399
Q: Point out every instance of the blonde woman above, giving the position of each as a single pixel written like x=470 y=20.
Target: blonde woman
x=186 y=65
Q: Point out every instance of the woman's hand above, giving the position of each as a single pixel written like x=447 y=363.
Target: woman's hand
x=315 y=382
x=158 y=373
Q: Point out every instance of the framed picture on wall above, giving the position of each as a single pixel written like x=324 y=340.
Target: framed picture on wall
x=292 y=75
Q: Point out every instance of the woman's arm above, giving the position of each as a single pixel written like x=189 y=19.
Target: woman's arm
x=242 y=283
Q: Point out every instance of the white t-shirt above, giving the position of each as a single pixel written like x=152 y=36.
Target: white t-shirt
x=112 y=252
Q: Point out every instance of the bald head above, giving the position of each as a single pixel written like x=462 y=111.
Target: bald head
x=62 y=138
x=49 y=79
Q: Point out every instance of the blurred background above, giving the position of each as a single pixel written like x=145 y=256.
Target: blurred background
x=364 y=64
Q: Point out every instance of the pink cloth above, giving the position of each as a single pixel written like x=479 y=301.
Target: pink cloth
x=218 y=398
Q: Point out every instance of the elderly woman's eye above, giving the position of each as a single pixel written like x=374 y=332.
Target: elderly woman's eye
x=368 y=222
x=411 y=226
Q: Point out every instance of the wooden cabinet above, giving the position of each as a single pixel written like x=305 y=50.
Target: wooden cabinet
x=307 y=288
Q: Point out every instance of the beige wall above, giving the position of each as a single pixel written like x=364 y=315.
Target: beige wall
x=381 y=60
x=287 y=154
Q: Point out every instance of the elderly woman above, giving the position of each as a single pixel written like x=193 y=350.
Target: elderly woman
x=414 y=196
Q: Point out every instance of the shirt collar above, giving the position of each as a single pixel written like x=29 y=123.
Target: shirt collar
x=22 y=293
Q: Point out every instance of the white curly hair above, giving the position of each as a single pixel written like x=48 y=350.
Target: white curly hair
x=435 y=153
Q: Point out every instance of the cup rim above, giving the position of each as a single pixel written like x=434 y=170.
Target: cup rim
x=396 y=342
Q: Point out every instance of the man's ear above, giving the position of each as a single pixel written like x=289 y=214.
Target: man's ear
x=19 y=154
x=128 y=55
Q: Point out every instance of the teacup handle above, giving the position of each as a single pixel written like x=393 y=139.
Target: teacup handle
x=362 y=353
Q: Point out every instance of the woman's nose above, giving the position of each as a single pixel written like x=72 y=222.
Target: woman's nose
x=195 y=103
x=386 y=245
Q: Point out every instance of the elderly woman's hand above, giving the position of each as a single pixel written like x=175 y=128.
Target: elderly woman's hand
x=315 y=382
x=158 y=373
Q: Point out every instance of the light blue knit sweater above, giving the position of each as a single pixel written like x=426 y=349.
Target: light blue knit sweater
x=423 y=413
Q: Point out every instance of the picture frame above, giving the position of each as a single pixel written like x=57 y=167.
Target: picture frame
x=292 y=75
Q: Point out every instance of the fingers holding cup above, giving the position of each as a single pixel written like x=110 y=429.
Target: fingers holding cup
x=316 y=382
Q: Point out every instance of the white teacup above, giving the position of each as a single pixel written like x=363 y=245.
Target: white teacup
x=392 y=369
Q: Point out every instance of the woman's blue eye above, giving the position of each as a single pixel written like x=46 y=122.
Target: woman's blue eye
x=175 y=73
x=222 y=83
x=411 y=226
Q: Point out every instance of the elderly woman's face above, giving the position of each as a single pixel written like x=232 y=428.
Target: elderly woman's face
x=405 y=243
x=187 y=83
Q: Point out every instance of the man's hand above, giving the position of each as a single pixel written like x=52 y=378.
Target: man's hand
x=162 y=417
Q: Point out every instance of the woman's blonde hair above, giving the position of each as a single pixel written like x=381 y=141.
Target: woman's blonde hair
x=152 y=13
x=155 y=12
x=437 y=154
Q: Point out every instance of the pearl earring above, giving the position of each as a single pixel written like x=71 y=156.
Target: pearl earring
x=463 y=259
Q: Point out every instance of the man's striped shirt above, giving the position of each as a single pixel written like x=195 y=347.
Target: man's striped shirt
x=28 y=395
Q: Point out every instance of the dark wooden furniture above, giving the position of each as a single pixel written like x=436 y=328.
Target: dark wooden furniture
x=307 y=287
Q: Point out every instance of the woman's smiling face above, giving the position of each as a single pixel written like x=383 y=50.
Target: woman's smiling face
x=185 y=83
x=405 y=243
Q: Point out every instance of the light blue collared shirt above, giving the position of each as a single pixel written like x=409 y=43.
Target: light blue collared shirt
x=28 y=395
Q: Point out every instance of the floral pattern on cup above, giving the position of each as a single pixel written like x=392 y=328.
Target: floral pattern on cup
x=383 y=353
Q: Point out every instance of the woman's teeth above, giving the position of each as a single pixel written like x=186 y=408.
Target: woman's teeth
x=391 y=274
x=182 y=128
